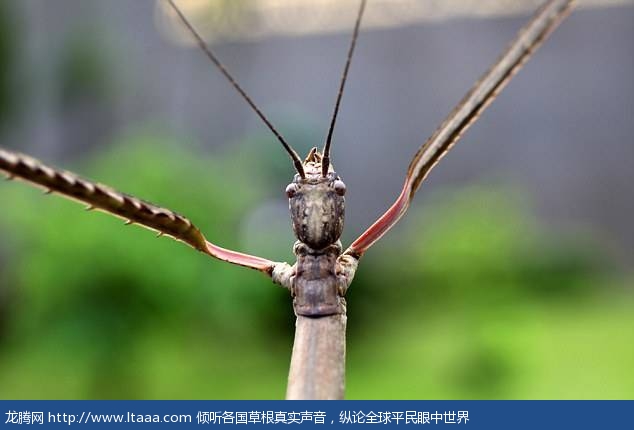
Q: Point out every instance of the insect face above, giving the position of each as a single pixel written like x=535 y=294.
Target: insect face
x=317 y=204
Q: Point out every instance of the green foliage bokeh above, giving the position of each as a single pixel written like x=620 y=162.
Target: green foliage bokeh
x=470 y=298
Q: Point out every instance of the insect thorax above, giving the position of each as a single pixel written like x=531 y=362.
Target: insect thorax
x=316 y=289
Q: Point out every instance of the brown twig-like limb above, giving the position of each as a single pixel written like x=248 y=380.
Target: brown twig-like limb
x=132 y=209
x=529 y=38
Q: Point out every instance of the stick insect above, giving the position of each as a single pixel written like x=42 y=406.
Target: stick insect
x=320 y=277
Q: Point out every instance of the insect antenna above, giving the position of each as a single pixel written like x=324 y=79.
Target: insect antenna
x=297 y=162
x=325 y=162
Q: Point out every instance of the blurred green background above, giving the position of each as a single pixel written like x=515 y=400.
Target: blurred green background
x=473 y=300
x=473 y=297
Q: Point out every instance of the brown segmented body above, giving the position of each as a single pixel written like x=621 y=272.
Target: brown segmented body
x=317 y=207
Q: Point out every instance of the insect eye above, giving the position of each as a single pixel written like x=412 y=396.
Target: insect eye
x=291 y=189
x=340 y=187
